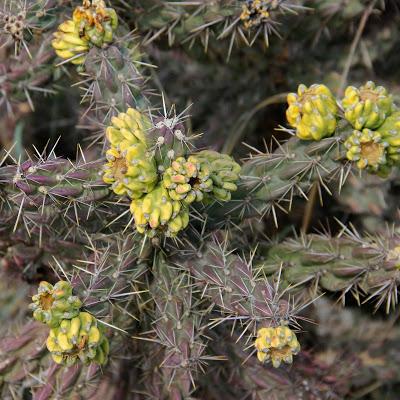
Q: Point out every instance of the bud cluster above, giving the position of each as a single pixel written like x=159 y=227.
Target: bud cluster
x=370 y=127
x=276 y=345
x=255 y=12
x=312 y=111
x=92 y=24
x=74 y=334
x=149 y=164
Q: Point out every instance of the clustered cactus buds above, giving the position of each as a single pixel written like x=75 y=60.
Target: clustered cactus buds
x=78 y=339
x=161 y=187
x=276 y=345
x=156 y=213
x=376 y=150
x=187 y=180
x=224 y=173
x=96 y=22
x=373 y=144
x=74 y=334
x=54 y=303
x=367 y=106
x=254 y=12
x=68 y=43
x=312 y=111
x=92 y=24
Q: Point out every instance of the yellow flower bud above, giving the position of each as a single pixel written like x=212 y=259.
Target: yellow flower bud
x=367 y=106
x=156 y=213
x=78 y=339
x=312 y=111
x=53 y=303
x=276 y=345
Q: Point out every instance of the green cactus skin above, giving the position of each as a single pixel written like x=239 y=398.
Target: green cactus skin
x=232 y=284
x=366 y=267
x=115 y=81
x=270 y=181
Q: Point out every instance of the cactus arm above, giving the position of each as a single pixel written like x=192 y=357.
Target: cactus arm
x=270 y=181
x=52 y=194
x=367 y=267
x=177 y=330
x=234 y=286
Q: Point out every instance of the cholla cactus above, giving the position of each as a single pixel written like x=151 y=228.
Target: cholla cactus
x=160 y=265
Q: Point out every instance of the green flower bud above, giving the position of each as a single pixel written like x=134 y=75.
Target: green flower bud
x=224 y=172
x=53 y=303
x=188 y=180
x=368 y=150
x=390 y=132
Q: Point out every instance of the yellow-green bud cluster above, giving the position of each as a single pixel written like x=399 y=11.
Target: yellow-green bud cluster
x=224 y=173
x=187 y=180
x=91 y=24
x=367 y=149
x=96 y=22
x=255 y=12
x=276 y=345
x=69 y=44
x=53 y=303
x=162 y=188
x=74 y=335
x=78 y=339
x=312 y=111
x=157 y=213
x=367 y=106
x=377 y=151
x=130 y=169
x=390 y=131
